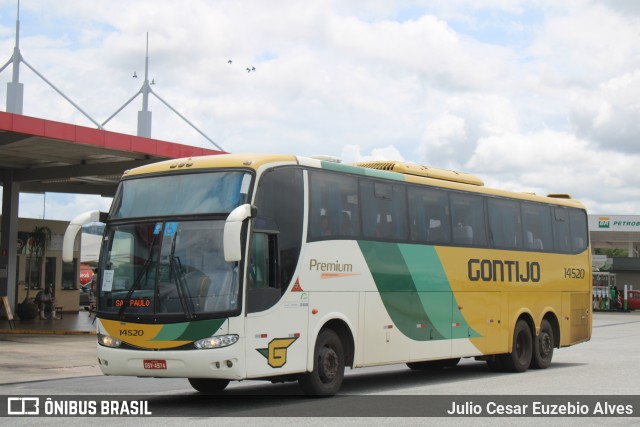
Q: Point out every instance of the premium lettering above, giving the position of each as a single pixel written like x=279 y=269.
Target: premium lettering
x=314 y=264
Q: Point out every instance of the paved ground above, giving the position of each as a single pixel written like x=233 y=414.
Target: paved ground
x=31 y=357
x=38 y=349
x=55 y=349
x=80 y=322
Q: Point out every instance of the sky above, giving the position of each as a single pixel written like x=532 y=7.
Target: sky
x=536 y=96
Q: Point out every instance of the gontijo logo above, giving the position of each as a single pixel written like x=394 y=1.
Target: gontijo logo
x=276 y=353
x=603 y=222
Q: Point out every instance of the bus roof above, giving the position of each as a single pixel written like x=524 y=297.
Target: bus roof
x=419 y=170
x=394 y=170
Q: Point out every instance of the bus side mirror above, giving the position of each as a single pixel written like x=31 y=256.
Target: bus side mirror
x=74 y=227
x=232 y=230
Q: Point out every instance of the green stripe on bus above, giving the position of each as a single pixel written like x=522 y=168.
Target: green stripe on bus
x=339 y=167
x=398 y=291
x=189 y=331
x=414 y=289
x=433 y=287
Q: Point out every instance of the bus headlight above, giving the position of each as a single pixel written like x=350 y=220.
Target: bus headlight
x=108 y=341
x=216 y=341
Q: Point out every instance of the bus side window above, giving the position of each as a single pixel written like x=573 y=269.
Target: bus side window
x=561 y=232
x=536 y=221
x=277 y=234
x=579 y=230
x=468 y=220
x=333 y=206
x=384 y=213
x=505 y=224
x=263 y=290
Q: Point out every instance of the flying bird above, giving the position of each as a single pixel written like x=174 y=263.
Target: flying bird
x=135 y=76
x=229 y=61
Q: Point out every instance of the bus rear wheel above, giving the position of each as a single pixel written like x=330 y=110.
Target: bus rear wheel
x=543 y=347
x=208 y=385
x=328 y=366
x=522 y=351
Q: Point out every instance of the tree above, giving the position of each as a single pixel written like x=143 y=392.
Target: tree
x=612 y=253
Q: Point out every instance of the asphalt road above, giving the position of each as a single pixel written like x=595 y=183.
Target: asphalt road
x=605 y=367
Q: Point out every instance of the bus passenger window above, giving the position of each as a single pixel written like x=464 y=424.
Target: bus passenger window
x=429 y=215
x=467 y=220
x=333 y=205
x=384 y=213
x=536 y=221
x=561 y=232
x=505 y=224
x=579 y=231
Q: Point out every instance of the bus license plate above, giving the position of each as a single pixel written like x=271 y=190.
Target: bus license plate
x=154 y=364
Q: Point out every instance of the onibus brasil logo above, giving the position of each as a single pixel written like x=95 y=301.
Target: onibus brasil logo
x=276 y=352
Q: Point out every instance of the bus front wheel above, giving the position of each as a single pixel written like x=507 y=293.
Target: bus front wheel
x=522 y=351
x=543 y=347
x=208 y=385
x=328 y=366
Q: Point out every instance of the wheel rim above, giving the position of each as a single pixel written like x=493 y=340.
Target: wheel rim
x=522 y=346
x=327 y=365
x=545 y=344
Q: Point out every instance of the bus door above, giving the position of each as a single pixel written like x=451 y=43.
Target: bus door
x=276 y=324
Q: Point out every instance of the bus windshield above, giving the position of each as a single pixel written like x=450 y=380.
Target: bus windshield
x=185 y=194
x=160 y=257
x=167 y=268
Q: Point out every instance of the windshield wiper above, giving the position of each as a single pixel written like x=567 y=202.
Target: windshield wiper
x=175 y=267
x=138 y=278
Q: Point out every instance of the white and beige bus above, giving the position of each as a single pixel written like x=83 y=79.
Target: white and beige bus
x=278 y=267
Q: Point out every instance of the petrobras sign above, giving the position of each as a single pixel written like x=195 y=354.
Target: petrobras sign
x=625 y=223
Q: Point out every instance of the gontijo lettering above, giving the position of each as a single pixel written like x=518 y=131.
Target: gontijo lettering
x=495 y=270
x=314 y=264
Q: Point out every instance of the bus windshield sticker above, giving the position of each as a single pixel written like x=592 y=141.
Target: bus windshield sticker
x=107 y=280
x=170 y=228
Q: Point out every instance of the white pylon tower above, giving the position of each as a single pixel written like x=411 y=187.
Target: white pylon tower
x=15 y=89
x=144 y=115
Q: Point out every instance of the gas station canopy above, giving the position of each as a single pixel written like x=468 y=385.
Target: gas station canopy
x=47 y=156
x=615 y=232
x=40 y=156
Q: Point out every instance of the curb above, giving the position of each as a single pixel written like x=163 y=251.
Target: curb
x=44 y=332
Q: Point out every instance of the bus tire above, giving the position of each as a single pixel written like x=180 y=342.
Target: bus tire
x=208 y=385
x=433 y=364
x=543 y=347
x=328 y=366
x=522 y=351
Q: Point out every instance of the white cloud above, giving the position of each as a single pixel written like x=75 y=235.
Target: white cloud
x=352 y=154
x=535 y=96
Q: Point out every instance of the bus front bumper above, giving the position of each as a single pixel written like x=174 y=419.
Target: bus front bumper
x=222 y=363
